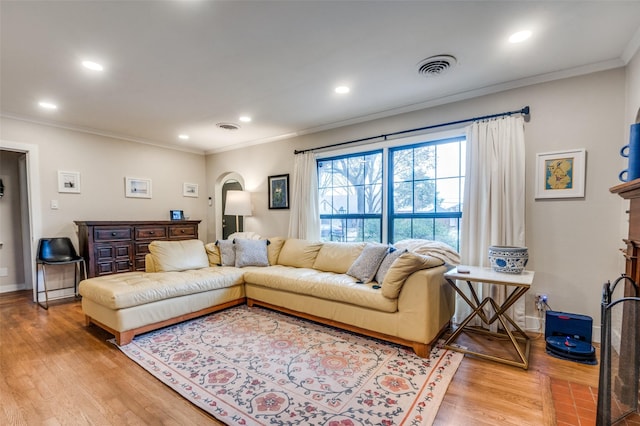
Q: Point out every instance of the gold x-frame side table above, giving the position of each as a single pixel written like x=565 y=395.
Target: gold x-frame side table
x=520 y=283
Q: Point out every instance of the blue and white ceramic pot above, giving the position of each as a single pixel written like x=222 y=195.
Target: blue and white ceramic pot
x=509 y=259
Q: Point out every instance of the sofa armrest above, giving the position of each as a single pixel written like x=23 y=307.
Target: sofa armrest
x=426 y=299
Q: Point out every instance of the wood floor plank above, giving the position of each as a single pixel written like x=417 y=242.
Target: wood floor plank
x=55 y=371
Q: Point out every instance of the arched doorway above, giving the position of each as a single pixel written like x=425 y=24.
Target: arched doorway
x=229 y=222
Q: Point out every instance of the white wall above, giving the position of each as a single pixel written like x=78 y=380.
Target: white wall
x=103 y=164
x=573 y=243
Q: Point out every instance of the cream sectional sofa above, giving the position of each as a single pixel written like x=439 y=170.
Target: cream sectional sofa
x=411 y=305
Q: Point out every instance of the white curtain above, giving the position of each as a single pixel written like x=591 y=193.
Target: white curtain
x=304 y=221
x=494 y=199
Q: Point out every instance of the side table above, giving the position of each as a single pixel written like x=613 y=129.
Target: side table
x=520 y=283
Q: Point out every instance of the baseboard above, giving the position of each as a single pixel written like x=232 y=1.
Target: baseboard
x=8 y=288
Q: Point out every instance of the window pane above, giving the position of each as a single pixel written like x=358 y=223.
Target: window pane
x=373 y=198
x=424 y=196
x=373 y=169
x=448 y=195
x=424 y=162
x=402 y=165
x=423 y=229
x=356 y=170
x=372 y=230
x=403 y=197
x=448 y=231
x=448 y=160
x=401 y=229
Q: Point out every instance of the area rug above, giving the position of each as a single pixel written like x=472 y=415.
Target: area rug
x=253 y=366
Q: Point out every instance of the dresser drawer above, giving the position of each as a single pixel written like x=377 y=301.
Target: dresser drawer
x=151 y=233
x=183 y=231
x=112 y=234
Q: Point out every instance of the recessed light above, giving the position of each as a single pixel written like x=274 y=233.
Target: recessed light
x=520 y=36
x=342 y=90
x=184 y=137
x=245 y=118
x=47 y=105
x=94 y=66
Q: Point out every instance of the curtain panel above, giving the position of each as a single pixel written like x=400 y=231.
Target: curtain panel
x=494 y=202
x=304 y=219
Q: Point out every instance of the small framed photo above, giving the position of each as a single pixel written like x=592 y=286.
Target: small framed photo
x=176 y=214
x=69 y=182
x=560 y=174
x=279 y=192
x=190 y=190
x=137 y=187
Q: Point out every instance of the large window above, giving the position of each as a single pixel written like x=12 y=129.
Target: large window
x=423 y=193
x=351 y=197
x=426 y=183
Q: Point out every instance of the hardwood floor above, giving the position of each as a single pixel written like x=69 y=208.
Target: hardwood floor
x=54 y=371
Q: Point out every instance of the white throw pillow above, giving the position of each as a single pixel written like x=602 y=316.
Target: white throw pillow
x=227 y=252
x=388 y=260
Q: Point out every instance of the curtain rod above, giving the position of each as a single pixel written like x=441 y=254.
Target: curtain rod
x=523 y=111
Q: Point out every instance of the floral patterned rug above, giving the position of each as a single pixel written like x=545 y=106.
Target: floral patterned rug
x=253 y=366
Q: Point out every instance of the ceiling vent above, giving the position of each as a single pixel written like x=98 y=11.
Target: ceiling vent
x=228 y=126
x=436 y=65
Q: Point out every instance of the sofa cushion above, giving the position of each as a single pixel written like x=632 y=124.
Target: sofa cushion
x=325 y=285
x=273 y=249
x=251 y=252
x=299 y=253
x=213 y=253
x=337 y=257
x=227 y=252
x=120 y=291
x=365 y=267
x=178 y=255
x=405 y=265
x=386 y=263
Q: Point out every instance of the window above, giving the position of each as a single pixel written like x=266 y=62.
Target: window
x=424 y=193
x=351 y=197
x=426 y=183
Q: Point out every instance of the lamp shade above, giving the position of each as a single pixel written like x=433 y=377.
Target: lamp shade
x=238 y=203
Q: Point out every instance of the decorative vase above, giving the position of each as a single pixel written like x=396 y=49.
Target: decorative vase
x=509 y=259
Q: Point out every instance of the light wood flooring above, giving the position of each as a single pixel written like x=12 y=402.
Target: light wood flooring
x=56 y=371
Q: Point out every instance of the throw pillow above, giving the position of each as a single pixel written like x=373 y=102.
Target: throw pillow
x=251 y=253
x=213 y=253
x=388 y=260
x=227 y=252
x=366 y=265
x=178 y=255
x=405 y=265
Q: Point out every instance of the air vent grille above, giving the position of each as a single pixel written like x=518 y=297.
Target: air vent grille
x=228 y=126
x=436 y=65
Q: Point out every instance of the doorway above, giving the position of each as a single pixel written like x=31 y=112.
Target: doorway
x=229 y=221
x=25 y=200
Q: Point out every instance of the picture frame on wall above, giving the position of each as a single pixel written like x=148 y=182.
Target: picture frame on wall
x=69 y=182
x=560 y=174
x=279 y=192
x=190 y=190
x=137 y=187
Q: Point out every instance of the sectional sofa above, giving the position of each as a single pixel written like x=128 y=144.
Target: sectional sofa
x=396 y=294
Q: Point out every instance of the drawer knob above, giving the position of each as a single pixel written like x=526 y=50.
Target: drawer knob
x=151 y=232
x=113 y=234
x=182 y=230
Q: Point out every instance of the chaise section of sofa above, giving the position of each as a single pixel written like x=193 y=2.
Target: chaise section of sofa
x=331 y=283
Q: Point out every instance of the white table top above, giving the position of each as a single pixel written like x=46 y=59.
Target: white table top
x=488 y=275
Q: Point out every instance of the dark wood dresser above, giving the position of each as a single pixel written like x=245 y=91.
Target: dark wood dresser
x=112 y=247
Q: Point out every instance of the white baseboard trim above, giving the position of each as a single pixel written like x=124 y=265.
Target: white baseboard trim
x=8 y=288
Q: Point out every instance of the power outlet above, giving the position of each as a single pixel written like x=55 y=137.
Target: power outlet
x=541 y=301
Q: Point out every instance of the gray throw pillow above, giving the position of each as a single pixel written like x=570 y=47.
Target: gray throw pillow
x=227 y=252
x=366 y=265
x=388 y=260
x=251 y=252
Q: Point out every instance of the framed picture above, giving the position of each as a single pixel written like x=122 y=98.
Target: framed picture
x=176 y=214
x=137 y=187
x=69 y=182
x=190 y=190
x=279 y=192
x=560 y=174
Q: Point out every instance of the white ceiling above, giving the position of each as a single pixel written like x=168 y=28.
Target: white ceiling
x=181 y=66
